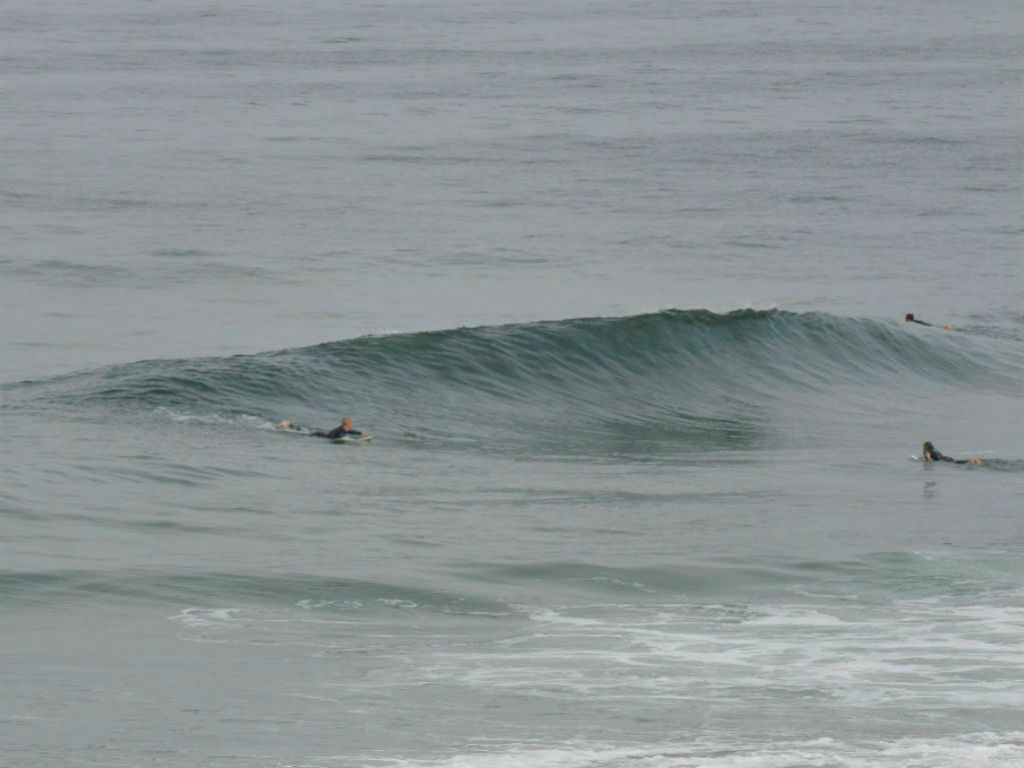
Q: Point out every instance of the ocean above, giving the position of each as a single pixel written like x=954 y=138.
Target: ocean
x=617 y=289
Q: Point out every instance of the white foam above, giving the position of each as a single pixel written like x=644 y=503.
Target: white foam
x=215 y=418
x=851 y=655
x=205 y=617
x=337 y=605
x=398 y=603
x=966 y=751
x=797 y=618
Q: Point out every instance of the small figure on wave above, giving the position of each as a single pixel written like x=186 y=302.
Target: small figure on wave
x=342 y=430
x=931 y=453
x=909 y=318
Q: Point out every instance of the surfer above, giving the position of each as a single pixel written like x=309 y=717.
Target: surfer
x=909 y=318
x=931 y=453
x=342 y=430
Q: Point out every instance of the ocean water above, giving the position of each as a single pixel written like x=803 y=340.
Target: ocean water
x=618 y=290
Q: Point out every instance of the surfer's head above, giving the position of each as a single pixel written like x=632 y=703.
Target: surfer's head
x=928 y=447
x=346 y=423
x=909 y=317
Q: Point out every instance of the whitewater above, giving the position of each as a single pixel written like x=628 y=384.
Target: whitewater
x=618 y=290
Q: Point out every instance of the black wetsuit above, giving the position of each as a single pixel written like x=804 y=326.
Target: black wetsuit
x=337 y=432
x=936 y=455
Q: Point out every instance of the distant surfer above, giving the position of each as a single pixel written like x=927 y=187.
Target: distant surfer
x=931 y=453
x=342 y=430
x=909 y=318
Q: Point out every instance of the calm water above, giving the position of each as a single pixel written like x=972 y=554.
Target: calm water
x=618 y=290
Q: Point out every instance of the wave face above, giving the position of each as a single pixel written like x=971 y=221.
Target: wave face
x=712 y=380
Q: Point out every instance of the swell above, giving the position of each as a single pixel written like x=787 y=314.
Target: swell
x=694 y=371
x=329 y=594
x=476 y=586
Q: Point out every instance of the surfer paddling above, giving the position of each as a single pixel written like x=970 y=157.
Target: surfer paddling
x=931 y=453
x=909 y=318
x=342 y=430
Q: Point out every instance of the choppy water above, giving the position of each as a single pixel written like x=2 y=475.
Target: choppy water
x=617 y=289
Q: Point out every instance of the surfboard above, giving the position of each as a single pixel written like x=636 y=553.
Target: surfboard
x=959 y=462
x=353 y=439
